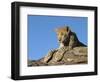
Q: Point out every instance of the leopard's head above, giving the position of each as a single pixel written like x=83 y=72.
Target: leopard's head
x=63 y=34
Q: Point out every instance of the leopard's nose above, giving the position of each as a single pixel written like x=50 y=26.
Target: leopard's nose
x=59 y=39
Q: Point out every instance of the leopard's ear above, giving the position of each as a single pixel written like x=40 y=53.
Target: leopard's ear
x=68 y=29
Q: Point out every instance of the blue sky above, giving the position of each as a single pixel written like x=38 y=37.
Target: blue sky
x=42 y=36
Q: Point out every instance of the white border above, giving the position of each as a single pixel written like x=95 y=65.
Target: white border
x=24 y=70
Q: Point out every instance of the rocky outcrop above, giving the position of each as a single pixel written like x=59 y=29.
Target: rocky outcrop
x=63 y=56
x=71 y=50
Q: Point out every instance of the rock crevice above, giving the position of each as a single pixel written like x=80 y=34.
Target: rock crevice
x=77 y=55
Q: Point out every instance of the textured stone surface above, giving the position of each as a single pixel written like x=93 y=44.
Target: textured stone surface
x=71 y=50
x=63 y=56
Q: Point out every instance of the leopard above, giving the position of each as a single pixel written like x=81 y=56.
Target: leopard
x=67 y=40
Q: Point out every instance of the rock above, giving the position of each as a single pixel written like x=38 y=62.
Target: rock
x=71 y=51
x=49 y=56
x=63 y=56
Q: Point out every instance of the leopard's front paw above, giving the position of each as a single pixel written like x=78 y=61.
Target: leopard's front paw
x=64 y=48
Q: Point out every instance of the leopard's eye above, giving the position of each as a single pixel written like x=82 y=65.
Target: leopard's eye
x=61 y=33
